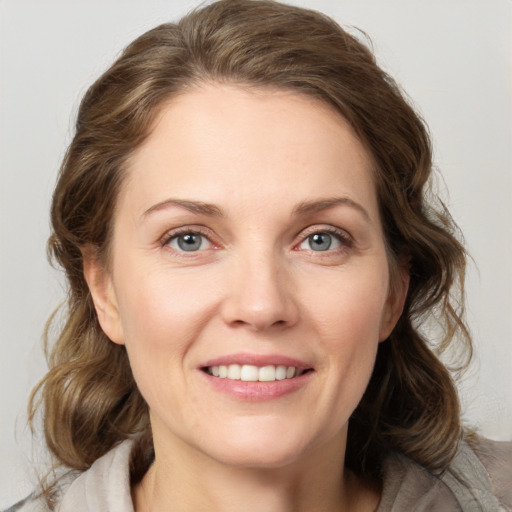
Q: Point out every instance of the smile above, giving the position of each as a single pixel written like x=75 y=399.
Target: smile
x=251 y=373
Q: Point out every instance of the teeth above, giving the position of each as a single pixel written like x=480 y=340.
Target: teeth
x=280 y=372
x=250 y=373
x=267 y=373
x=234 y=372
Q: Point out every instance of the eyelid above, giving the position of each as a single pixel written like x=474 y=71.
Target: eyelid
x=342 y=235
x=184 y=230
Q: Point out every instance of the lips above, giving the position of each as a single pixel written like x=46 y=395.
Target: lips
x=256 y=377
x=253 y=373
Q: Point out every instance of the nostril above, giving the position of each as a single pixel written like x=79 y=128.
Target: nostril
x=258 y=309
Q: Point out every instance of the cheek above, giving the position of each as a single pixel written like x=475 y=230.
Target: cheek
x=347 y=316
x=162 y=315
x=163 y=307
x=349 y=306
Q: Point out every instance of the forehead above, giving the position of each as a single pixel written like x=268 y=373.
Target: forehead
x=220 y=142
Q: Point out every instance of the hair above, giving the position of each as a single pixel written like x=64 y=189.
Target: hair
x=89 y=399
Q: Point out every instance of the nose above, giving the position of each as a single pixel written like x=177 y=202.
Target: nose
x=259 y=294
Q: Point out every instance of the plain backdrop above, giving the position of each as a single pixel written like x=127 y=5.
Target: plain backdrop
x=451 y=56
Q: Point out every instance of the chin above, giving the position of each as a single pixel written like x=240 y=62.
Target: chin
x=257 y=457
x=259 y=447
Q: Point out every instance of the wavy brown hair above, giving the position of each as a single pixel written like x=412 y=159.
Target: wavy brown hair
x=89 y=398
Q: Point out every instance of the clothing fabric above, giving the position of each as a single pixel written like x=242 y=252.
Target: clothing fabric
x=479 y=479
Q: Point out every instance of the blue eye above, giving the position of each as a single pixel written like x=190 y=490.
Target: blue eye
x=189 y=242
x=321 y=241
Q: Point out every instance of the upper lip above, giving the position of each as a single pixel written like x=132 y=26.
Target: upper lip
x=257 y=360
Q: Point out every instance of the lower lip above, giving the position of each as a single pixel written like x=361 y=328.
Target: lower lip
x=257 y=391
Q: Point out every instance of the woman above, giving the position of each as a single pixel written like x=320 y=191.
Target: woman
x=243 y=221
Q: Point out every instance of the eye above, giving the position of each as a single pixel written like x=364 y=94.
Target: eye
x=189 y=242
x=325 y=240
x=320 y=242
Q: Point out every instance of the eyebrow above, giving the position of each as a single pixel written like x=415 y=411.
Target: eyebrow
x=309 y=207
x=191 y=206
x=302 y=209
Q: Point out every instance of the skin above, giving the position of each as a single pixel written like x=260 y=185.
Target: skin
x=256 y=286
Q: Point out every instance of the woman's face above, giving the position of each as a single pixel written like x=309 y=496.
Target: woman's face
x=247 y=242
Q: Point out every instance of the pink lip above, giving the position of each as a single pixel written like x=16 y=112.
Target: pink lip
x=256 y=391
x=257 y=360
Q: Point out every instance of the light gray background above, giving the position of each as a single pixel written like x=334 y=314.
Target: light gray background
x=451 y=56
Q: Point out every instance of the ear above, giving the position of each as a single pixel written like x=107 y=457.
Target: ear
x=100 y=284
x=399 y=286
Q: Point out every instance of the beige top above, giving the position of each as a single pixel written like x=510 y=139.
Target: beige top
x=478 y=480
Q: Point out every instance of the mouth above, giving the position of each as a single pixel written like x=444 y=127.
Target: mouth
x=252 y=373
x=256 y=377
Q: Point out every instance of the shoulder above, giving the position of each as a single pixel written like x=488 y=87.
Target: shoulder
x=32 y=503
x=496 y=457
x=37 y=502
x=408 y=486
x=104 y=486
x=478 y=479
x=105 y=483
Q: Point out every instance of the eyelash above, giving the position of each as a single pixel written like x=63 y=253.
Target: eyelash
x=187 y=230
x=342 y=236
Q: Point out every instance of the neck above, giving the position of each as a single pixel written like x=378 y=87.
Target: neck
x=196 y=482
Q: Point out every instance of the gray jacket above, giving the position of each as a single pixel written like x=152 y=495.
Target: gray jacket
x=478 y=480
